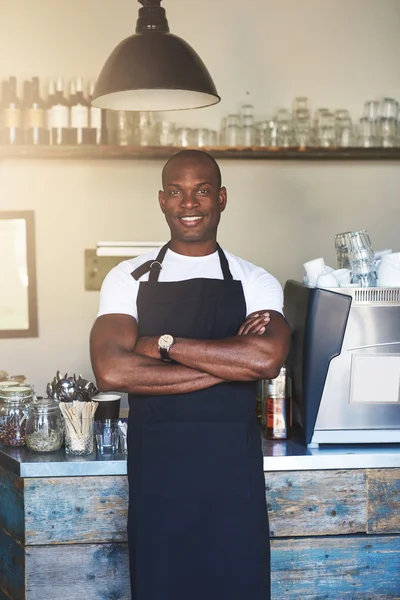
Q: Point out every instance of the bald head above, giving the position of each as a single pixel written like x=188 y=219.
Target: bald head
x=194 y=157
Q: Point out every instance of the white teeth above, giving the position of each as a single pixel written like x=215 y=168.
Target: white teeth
x=191 y=218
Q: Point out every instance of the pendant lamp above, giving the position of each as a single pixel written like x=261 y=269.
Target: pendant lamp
x=154 y=70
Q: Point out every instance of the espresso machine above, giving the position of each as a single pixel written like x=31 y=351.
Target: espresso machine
x=344 y=363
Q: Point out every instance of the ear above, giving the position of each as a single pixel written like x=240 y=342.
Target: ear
x=161 y=200
x=222 y=198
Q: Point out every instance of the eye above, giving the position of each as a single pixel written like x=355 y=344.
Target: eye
x=174 y=192
x=203 y=192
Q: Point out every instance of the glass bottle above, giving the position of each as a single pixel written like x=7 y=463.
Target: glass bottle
x=12 y=130
x=34 y=108
x=278 y=408
x=79 y=111
x=59 y=115
x=14 y=402
x=44 y=426
x=51 y=91
x=95 y=115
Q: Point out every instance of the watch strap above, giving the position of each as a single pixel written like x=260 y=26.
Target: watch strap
x=165 y=354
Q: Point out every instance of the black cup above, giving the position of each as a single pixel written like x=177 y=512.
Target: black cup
x=108 y=407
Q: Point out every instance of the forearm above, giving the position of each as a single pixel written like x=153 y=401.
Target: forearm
x=240 y=358
x=132 y=373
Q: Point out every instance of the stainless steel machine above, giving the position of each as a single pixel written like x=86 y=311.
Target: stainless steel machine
x=344 y=363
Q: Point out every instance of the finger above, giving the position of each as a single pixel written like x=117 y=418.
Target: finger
x=254 y=325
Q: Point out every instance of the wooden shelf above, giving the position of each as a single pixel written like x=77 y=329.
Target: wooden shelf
x=164 y=152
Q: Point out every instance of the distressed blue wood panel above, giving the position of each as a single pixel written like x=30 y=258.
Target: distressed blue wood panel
x=76 y=509
x=11 y=504
x=75 y=572
x=336 y=568
x=383 y=500
x=12 y=561
x=316 y=502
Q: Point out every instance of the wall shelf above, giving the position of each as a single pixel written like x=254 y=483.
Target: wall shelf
x=164 y=152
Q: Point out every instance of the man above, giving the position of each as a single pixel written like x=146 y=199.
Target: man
x=187 y=331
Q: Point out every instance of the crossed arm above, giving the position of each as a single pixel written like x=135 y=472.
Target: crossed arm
x=125 y=362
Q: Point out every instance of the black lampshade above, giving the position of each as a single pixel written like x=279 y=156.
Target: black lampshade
x=154 y=70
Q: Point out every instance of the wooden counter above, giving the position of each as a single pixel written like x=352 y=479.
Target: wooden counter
x=335 y=534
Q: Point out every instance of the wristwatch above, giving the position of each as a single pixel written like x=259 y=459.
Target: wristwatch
x=164 y=344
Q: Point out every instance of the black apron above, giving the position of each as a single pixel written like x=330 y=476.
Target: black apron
x=198 y=525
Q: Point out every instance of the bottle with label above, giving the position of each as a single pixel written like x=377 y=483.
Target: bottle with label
x=11 y=126
x=59 y=116
x=79 y=107
x=278 y=408
x=51 y=90
x=34 y=111
x=95 y=115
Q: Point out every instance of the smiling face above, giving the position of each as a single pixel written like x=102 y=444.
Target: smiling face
x=192 y=202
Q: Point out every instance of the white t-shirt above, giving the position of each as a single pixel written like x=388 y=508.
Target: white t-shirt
x=119 y=290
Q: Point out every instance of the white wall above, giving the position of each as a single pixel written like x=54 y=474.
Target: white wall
x=338 y=52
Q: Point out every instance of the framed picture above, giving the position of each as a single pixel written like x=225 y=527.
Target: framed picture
x=18 y=301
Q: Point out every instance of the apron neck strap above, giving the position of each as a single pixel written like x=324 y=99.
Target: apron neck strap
x=226 y=272
x=153 y=267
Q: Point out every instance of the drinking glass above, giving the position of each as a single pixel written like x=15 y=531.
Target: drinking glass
x=247 y=137
x=300 y=103
x=262 y=133
x=367 y=133
x=166 y=133
x=107 y=435
x=212 y=138
x=388 y=108
x=184 y=137
x=326 y=134
x=202 y=137
x=342 y=251
x=233 y=130
x=387 y=131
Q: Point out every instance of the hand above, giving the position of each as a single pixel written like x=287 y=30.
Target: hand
x=255 y=323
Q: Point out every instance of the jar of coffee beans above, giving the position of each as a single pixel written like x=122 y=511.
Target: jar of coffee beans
x=14 y=402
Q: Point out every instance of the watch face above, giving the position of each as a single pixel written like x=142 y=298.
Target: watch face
x=165 y=341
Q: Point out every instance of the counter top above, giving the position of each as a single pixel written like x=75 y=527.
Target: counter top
x=278 y=456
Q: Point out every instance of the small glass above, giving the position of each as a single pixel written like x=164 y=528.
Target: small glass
x=184 y=137
x=342 y=252
x=123 y=437
x=212 y=138
x=146 y=128
x=107 y=435
x=202 y=136
x=326 y=134
x=387 y=132
x=367 y=133
x=233 y=130
x=166 y=133
x=388 y=108
x=262 y=133
x=300 y=104
x=247 y=131
x=371 y=110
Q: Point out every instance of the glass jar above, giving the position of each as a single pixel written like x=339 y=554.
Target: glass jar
x=14 y=402
x=44 y=426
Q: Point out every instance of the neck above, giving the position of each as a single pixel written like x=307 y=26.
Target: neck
x=194 y=248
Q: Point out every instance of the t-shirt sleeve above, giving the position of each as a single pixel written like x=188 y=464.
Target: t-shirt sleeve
x=118 y=292
x=264 y=292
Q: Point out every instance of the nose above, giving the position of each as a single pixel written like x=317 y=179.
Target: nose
x=189 y=200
